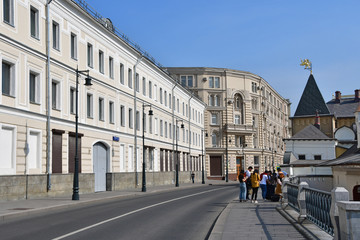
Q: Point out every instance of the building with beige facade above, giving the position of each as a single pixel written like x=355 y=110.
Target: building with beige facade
x=245 y=119
x=41 y=47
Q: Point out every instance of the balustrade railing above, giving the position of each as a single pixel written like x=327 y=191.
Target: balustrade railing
x=318 y=205
x=292 y=193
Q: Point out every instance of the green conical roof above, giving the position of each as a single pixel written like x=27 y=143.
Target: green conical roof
x=311 y=100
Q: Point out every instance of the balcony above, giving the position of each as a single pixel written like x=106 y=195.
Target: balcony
x=239 y=128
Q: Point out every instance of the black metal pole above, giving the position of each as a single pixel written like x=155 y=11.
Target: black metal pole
x=226 y=139
x=202 y=157
x=144 y=164
x=75 y=195
x=177 y=164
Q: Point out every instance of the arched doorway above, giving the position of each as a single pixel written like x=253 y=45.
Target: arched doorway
x=356 y=193
x=100 y=160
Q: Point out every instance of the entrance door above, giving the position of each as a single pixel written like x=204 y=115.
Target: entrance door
x=238 y=166
x=215 y=166
x=100 y=157
x=356 y=193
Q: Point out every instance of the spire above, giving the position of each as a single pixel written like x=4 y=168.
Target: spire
x=311 y=100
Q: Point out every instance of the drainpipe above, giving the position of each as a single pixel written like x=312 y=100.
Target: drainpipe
x=135 y=119
x=48 y=97
x=173 y=122
x=192 y=95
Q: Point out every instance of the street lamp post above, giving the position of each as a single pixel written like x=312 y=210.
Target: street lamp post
x=226 y=140
x=75 y=195
x=143 y=189
x=177 y=156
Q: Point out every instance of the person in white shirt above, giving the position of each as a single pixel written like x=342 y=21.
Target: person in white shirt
x=264 y=180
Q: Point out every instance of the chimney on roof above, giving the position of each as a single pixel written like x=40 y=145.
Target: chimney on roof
x=317 y=120
x=337 y=96
x=357 y=95
x=357 y=121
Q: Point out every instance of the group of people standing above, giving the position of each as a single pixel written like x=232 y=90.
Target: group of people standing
x=270 y=184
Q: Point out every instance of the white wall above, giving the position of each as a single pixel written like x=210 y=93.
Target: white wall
x=311 y=147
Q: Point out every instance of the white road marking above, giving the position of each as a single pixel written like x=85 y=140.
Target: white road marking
x=129 y=213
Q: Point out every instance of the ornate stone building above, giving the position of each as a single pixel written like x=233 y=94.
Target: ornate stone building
x=245 y=119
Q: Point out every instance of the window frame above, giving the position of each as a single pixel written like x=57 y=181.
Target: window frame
x=111 y=67
x=111 y=112
x=55 y=35
x=89 y=105
x=9 y=11
x=34 y=22
x=57 y=105
x=101 y=61
x=73 y=46
x=11 y=78
x=90 y=55
x=36 y=87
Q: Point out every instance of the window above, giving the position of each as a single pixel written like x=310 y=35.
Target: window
x=254 y=87
x=317 y=157
x=150 y=124
x=7 y=149
x=170 y=101
x=89 y=105
x=178 y=105
x=72 y=100
x=155 y=92
x=144 y=86
x=8 y=11
x=73 y=45
x=101 y=61
x=137 y=83
x=214 y=140
x=214 y=119
x=55 y=94
x=150 y=90
x=302 y=157
x=211 y=100
x=161 y=95
x=211 y=82
x=186 y=81
x=111 y=67
x=217 y=100
x=90 y=55
x=256 y=160
x=217 y=82
x=156 y=126
x=144 y=123
x=101 y=109
x=170 y=135
x=122 y=157
x=56 y=35
x=237 y=119
x=122 y=116
x=34 y=156
x=138 y=120
x=131 y=158
x=161 y=128
x=240 y=141
x=165 y=130
x=34 y=88
x=111 y=112
x=129 y=78
x=130 y=118
x=165 y=98
x=34 y=22
x=121 y=73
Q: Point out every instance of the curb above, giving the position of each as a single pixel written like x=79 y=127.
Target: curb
x=219 y=224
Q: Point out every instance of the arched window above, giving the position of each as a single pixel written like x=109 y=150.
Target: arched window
x=239 y=109
x=214 y=140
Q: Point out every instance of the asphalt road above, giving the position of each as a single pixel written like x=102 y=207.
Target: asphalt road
x=178 y=214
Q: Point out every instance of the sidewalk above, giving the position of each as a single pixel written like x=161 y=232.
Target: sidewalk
x=248 y=220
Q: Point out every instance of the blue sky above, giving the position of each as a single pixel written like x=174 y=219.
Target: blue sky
x=265 y=37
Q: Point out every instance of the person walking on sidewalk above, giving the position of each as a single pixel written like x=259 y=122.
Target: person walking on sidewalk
x=248 y=182
x=255 y=183
x=263 y=182
x=242 y=180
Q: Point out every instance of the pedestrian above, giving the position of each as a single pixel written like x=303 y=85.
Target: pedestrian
x=278 y=190
x=263 y=183
x=278 y=169
x=242 y=180
x=255 y=183
x=248 y=182
x=193 y=177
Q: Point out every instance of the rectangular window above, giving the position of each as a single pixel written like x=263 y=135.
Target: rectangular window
x=155 y=93
x=122 y=116
x=302 y=157
x=211 y=82
x=90 y=61
x=34 y=88
x=170 y=101
x=187 y=81
x=131 y=158
x=130 y=118
x=256 y=160
x=122 y=158
x=111 y=67
x=144 y=123
x=34 y=22
x=165 y=129
x=317 y=157
x=237 y=119
x=101 y=109
x=170 y=135
x=8 y=11
x=55 y=95
x=183 y=81
x=129 y=78
x=137 y=83
x=73 y=45
x=161 y=128
x=150 y=125
x=101 y=61
x=156 y=126
x=89 y=105
x=150 y=89
x=190 y=81
x=138 y=120
x=121 y=73
x=72 y=100
x=161 y=95
x=144 y=86
x=217 y=82
x=165 y=98
x=213 y=119
x=111 y=112
x=56 y=35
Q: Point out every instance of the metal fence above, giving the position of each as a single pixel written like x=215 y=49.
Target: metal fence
x=318 y=205
x=292 y=193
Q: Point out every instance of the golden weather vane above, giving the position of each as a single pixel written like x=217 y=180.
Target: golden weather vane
x=307 y=64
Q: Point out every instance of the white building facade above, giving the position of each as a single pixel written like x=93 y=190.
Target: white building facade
x=38 y=100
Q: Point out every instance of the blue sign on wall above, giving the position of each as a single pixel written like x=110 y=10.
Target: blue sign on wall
x=116 y=139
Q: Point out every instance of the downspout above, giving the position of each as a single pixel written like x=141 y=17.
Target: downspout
x=192 y=95
x=135 y=121
x=48 y=97
x=173 y=123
